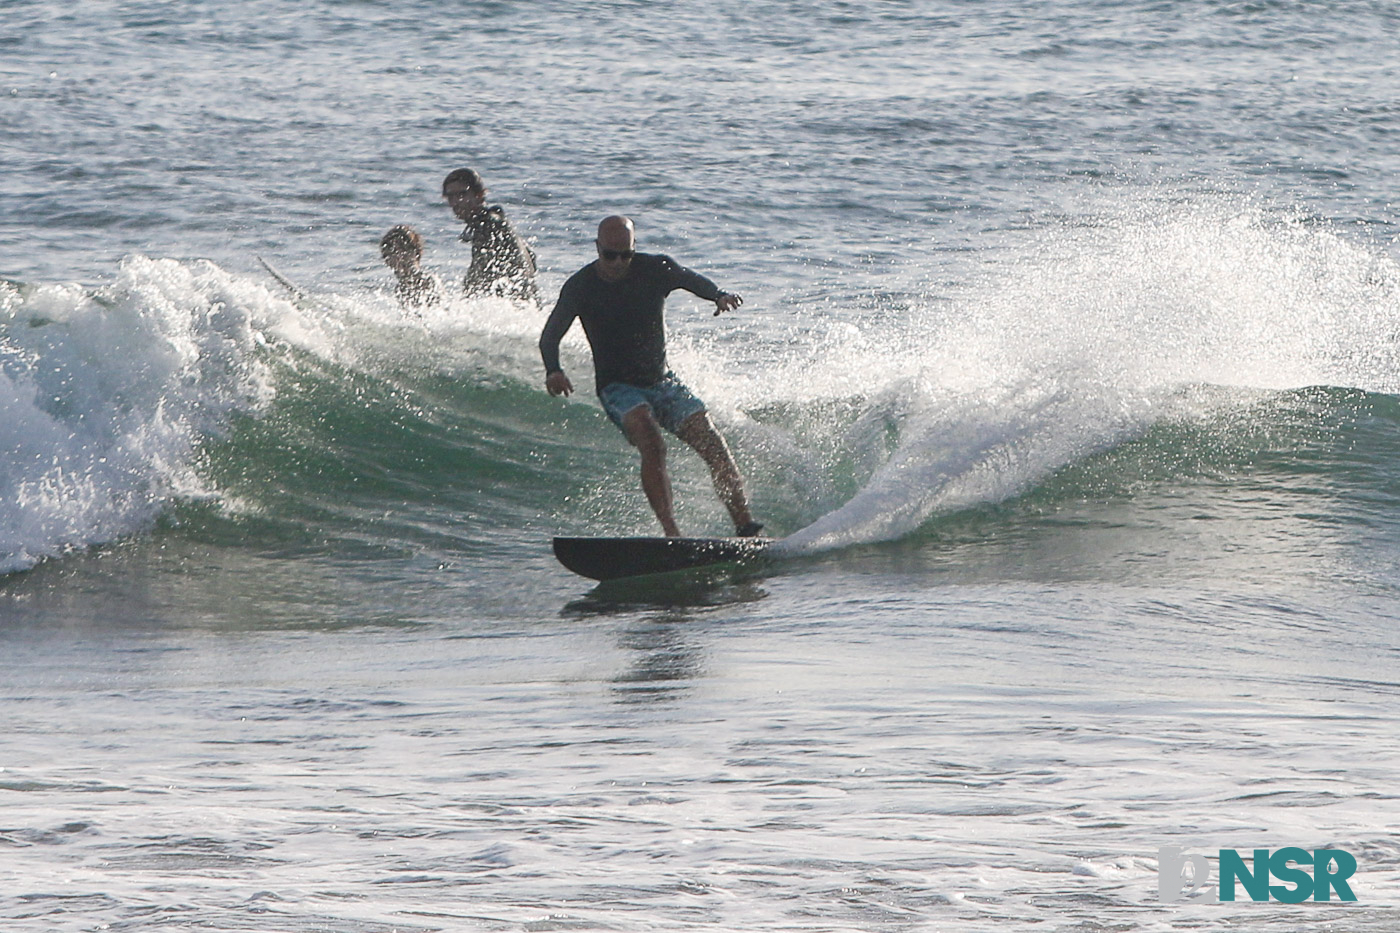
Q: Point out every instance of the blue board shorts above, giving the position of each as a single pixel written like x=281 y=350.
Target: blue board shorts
x=670 y=401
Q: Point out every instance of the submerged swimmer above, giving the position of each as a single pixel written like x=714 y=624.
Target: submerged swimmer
x=402 y=249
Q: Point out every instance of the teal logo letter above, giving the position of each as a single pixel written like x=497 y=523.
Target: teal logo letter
x=1324 y=880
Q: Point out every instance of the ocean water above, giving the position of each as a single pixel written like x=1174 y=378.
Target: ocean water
x=1069 y=372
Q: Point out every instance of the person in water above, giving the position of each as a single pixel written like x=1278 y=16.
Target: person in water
x=620 y=298
x=402 y=249
x=502 y=263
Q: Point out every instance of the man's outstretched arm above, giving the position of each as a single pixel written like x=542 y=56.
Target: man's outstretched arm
x=701 y=287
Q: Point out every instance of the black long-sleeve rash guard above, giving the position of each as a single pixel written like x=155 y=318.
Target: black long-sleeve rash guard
x=623 y=320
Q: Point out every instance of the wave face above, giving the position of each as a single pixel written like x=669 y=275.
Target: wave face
x=184 y=390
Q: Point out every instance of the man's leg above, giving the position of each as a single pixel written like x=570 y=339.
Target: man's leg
x=645 y=434
x=699 y=432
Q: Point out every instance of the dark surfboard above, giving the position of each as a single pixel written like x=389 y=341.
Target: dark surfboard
x=615 y=558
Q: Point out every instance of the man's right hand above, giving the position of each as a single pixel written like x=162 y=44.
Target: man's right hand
x=556 y=383
x=727 y=302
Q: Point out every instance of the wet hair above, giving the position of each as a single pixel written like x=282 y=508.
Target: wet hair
x=466 y=176
x=401 y=239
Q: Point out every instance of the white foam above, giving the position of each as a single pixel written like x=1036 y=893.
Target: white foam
x=105 y=396
x=1088 y=337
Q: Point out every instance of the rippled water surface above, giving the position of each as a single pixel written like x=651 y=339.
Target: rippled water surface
x=1067 y=369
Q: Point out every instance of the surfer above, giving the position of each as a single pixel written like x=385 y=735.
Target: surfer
x=402 y=249
x=620 y=297
x=502 y=262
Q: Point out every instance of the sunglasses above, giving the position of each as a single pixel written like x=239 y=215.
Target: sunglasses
x=612 y=255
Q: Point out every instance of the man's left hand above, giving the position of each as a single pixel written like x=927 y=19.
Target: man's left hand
x=726 y=302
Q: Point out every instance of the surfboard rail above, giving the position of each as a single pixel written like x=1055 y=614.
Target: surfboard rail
x=282 y=280
x=616 y=558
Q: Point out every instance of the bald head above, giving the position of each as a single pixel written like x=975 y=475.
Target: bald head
x=616 y=246
x=616 y=232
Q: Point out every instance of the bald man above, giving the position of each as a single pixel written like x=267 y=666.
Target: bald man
x=620 y=298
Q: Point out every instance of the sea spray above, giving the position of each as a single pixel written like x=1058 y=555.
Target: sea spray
x=1093 y=334
x=106 y=395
